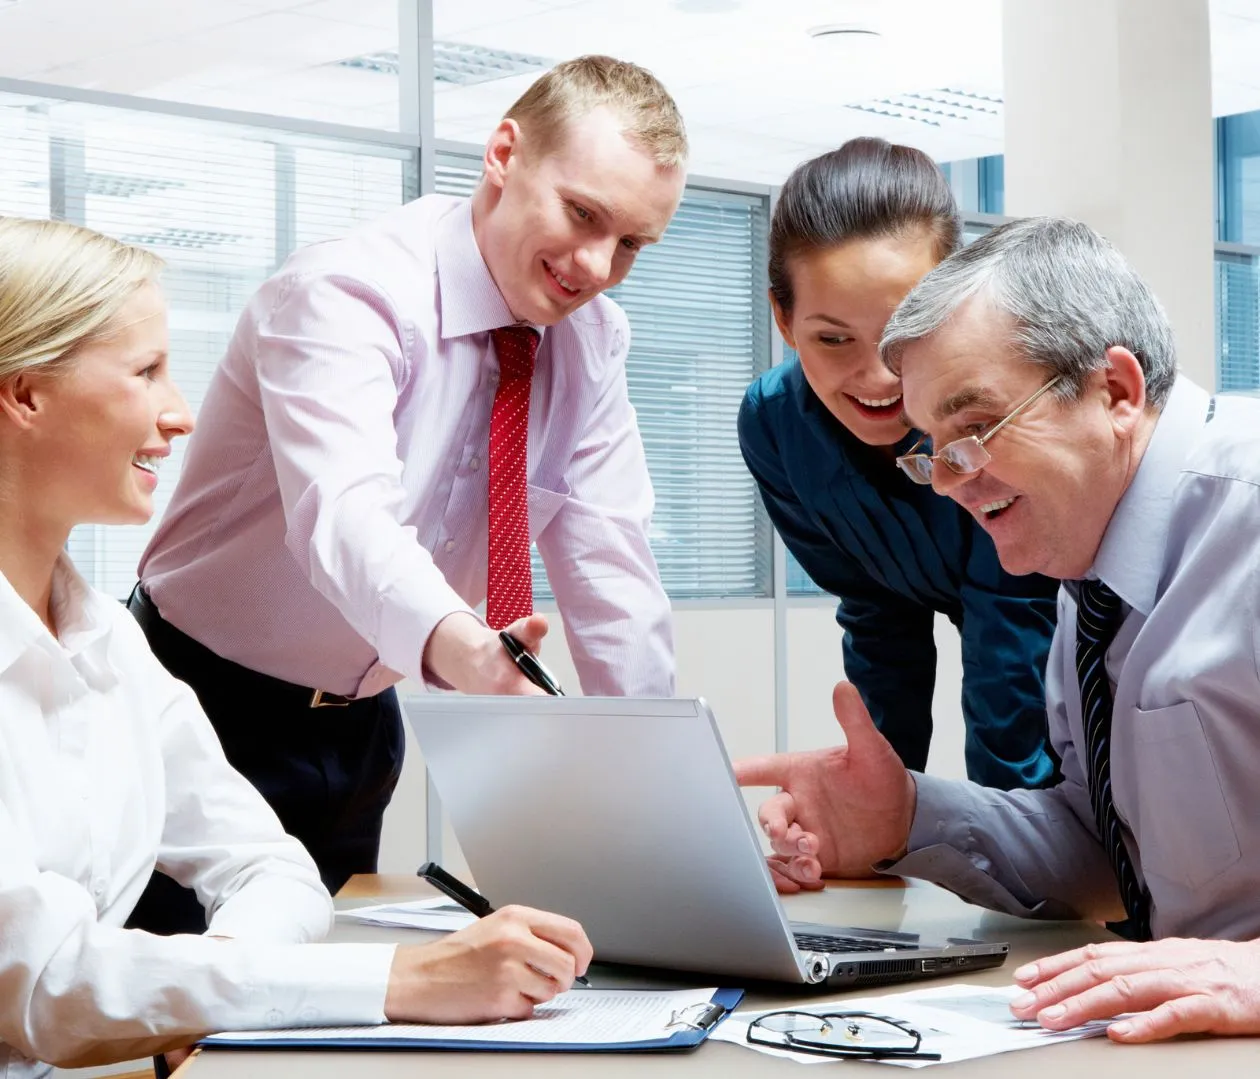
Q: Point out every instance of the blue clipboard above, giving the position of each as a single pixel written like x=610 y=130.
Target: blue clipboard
x=695 y=1025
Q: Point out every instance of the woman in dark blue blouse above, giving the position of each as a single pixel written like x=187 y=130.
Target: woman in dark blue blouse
x=853 y=231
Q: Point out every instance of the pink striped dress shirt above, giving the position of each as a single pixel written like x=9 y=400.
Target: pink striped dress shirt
x=332 y=507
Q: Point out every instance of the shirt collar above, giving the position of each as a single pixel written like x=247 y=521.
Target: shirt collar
x=83 y=623
x=1131 y=556
x=470 y=301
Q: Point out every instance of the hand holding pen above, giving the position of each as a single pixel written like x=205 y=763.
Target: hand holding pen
x=530 y=665
x=473 y=902
x=500 y=967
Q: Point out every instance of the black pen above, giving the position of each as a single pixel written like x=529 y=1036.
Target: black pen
x=473 y=902
x=530 y=665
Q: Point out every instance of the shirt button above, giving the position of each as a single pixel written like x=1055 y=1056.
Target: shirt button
x=98 y=887
x=474 y=463
x=448 y=546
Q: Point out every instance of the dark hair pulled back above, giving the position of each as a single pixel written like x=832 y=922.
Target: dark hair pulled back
x=865 y=189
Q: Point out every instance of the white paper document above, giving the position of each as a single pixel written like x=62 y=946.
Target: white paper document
x=437 y=913
x=580 y=1016
x=958 y=1021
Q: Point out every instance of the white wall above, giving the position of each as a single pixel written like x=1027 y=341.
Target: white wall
x=725 y=654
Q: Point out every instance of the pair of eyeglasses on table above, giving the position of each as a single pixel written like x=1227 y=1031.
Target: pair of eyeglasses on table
x=860 y=1035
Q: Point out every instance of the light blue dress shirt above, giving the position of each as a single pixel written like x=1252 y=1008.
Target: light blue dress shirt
x=1182 y=550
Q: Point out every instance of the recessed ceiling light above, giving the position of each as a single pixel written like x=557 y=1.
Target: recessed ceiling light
x=843 y=30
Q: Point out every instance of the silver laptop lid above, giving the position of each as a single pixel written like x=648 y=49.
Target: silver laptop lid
x=620 y=812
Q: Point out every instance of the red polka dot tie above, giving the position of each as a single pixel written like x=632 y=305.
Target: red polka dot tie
x=509 y=586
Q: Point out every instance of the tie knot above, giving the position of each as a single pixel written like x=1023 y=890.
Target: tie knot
x=1099 y=607
x=516 y=347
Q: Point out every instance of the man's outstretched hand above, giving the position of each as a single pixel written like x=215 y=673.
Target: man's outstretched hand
x=838 y=810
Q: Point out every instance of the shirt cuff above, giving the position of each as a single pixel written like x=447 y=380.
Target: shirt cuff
x=936 y=830
x=942 y=849
x=322 y=985
x=408 y=618
x=936 y=814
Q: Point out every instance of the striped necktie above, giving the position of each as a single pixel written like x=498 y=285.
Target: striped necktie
x=1098 y=618
x=509 y=584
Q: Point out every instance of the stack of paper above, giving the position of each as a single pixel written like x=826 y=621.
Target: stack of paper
x=958 y=1021
x=578 y=1019
x=437 y=913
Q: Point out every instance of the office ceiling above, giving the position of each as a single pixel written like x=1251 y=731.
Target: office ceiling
x=758 y=92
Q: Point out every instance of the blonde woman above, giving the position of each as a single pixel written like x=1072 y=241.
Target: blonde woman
x=109 y=768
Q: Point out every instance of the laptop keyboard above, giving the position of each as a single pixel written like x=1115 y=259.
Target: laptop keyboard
x=811 y=942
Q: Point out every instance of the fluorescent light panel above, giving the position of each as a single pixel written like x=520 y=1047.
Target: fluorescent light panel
x=936 y=108
x=456 y=63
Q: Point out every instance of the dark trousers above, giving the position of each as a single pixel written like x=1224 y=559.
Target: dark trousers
x=328 y=772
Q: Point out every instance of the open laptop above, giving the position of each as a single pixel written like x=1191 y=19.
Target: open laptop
x=624 y=814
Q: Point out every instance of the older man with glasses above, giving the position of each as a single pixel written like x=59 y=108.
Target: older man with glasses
x=1044 y=370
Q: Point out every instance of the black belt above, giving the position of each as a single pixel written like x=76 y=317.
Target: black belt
x=151 y=621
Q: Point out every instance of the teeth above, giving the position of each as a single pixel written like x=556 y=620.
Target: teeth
x=993 y=507
x=563 y=281
x=881 y=403
x=148 y=462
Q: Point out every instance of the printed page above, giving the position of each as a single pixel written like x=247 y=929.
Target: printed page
x=960 y=1022
x=580 y=1016
x=437 y=913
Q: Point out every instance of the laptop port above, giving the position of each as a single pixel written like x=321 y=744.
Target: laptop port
x=927 y=965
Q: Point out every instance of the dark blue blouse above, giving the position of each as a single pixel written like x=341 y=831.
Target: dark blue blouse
x=895 y=553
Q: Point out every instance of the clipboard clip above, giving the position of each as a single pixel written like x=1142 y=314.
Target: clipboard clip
x=697 y=1016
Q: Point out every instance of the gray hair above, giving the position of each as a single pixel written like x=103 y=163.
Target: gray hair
x=1068 y=292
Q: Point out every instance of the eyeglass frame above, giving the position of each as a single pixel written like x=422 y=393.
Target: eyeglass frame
x=979 y=440
x=791 y=1045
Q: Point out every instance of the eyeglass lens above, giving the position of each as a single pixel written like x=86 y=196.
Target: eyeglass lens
x=964 y=456
x=841 y=1033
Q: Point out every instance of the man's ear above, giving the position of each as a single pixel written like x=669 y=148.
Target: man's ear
x=1125 y=385
x=781 y=320
x=504 y=141
x=21 y=399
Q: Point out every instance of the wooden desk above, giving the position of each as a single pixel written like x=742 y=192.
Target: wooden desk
x=917 y=906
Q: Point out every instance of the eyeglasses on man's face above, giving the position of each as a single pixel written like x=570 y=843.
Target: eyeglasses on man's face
x=840 y=1034
x=964 y=455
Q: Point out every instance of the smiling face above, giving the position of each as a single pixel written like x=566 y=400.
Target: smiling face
x=557 y=228
x=842 y=297
x=1058 y=470
x=102 y=424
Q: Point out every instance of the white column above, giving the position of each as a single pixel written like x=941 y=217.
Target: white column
x=1109 y=120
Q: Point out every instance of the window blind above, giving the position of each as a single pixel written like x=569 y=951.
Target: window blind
x=1237 y=321
x=224 y=204
x=699 y=335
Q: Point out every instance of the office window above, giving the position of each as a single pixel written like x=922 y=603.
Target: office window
x=1238 y=252
x=1238 y=172
x=696 y=303
x=1237 y=322
x=978 y=184
x=224 y=205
